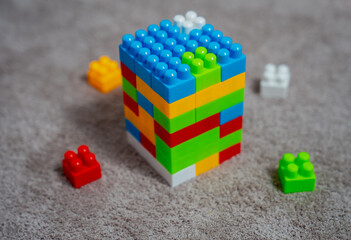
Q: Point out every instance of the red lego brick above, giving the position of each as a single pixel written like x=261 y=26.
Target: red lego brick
x=130 y=103
x=231 y=126
x=187 y=133
x=81 y=168
x=148 y=145
x=228 y=153
x=128 y=74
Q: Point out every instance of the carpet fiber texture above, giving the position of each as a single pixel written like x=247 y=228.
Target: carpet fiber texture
x=47 y=107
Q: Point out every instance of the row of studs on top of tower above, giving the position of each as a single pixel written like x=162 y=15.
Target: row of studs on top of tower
x=189 y=22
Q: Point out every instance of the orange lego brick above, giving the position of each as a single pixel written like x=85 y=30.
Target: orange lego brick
x=144 y=122
x=104 y=74
x=207 y=164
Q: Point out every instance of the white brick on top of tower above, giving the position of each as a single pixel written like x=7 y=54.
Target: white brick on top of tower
x=189 y=22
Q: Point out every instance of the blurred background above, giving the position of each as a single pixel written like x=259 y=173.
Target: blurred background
x=47 y=107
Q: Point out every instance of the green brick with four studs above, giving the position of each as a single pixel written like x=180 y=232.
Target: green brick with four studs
x=296 y=174
x=203 y=67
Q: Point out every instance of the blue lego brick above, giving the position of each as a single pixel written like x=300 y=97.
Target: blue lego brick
x=170 y=44
x=191 y=45
x=213 y=47
x=182 y=39
x=178 y=51
x=125 y=58
x=231 y=113
x=128 y=53
x=140 y=65
x=144 y=70
x=165 y=24
x=173 y=81
x=130 y=47
x=156 y=49
x=204 y=41
x=140 y=35
x=216 y=36
x=132 y=130
x=233 y=68
x=128 y=50
x=143 y=73
x=140 y=69
x=232 y=61
x=207 y=29
x=173 y=31
x=145 y=104
x=161 y=36
x=148 y=42
x=165 y=56
x=195 y=34
x=152 y=30
x=226 y=42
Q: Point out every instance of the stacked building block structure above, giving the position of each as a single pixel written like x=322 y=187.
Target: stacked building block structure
x=183 y=97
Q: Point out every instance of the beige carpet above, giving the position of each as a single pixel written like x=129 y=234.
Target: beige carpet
x=47 y=107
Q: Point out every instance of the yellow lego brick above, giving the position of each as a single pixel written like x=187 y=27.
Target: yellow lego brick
x=130 y=115
x=103 y=83
x=104 y=75
x=104 y=88
x=170 y=110
x=147 y=125
x=144 y=122
x=220 y=90
x=207 y=164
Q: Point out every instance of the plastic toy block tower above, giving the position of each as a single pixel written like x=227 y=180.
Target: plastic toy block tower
x=183 y=98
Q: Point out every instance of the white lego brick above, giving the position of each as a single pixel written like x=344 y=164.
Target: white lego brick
x=199 y=22
x=179 y=20
x=189 y=22
x=187 y=26
x=275 y=82
x=191 y=16
x=183 y=175
x=173 y=180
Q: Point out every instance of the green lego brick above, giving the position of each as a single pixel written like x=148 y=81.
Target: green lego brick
x=219 y=105
x=296 y=175
x=203 y=67
x=187 y=153
x=130 y=89
x=230 y=140
x=174 y=124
